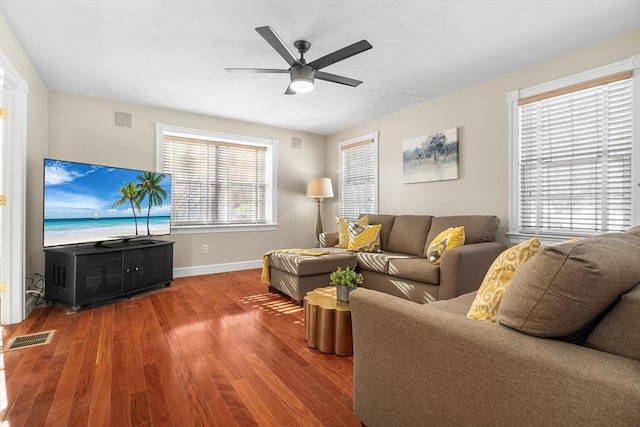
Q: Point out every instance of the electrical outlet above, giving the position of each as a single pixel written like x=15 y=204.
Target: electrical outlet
x=205 y=249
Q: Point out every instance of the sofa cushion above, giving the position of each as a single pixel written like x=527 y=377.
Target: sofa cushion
x=619 y=331
x=409 y=234
x=485 y=305
x=458 y=305
x=304 y=265
x=364 y=238
x=378 y=262
x=477 y=228
x=417 y=269
x=450 y=238
x=563 y=289
x=387 y=222
x=343 y=230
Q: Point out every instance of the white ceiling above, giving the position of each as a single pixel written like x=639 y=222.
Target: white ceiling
x=172 y=54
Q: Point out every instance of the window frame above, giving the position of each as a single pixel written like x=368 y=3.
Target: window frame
x=629 y=65
x=271 y=144
x=374 y=138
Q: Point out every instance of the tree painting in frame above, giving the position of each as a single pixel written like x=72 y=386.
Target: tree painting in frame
x=431 y=157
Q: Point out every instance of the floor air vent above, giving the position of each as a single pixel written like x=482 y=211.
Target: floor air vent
x=30 y=340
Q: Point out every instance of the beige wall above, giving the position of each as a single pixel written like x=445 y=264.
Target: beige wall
x=36 y=145
x=82 y=129
x=480 y=113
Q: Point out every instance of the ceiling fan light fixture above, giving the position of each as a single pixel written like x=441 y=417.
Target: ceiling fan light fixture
x=302 y=78
x=301 y=85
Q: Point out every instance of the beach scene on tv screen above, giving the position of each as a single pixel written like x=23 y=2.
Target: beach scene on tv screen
x=86 y=203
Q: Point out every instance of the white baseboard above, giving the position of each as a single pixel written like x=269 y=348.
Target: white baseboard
x=29 y=305
x=215 y=268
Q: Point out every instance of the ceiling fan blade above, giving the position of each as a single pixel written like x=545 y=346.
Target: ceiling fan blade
x=289 y=91
x=339 y=55
x=321 y=75
x=257 y=70
x=276 y=42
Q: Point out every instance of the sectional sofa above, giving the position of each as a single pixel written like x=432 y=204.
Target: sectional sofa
x=401 y=267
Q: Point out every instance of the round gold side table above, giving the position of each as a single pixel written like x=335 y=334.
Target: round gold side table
x=327 y=322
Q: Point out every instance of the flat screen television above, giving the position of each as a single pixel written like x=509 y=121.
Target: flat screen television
x=87 y=203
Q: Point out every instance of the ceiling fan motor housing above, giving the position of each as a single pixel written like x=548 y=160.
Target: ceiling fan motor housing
x=302 y=72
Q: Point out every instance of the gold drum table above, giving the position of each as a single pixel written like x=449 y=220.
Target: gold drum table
x=327 y=322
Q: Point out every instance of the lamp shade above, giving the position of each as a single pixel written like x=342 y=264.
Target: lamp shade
x=320 y=187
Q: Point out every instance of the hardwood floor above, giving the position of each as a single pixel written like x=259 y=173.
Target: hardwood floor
x=213 y=350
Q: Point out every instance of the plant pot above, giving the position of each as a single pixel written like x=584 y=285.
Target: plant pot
x=342 y=292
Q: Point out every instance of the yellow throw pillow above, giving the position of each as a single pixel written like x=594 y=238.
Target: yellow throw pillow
x=343 y=231
x=365 y=238
x=448 y=239
x=487 y=301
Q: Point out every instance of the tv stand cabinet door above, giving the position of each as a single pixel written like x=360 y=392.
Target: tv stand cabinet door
x=99 y=276
x=151 y=266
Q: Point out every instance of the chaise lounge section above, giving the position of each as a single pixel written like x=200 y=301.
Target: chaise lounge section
x=296 y=274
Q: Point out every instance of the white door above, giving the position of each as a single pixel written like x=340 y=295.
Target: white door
x=3 y=118
x=13 y=147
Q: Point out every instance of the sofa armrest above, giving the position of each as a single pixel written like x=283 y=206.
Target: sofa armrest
x=463 y=268
x=417 y=365
x=328 y=240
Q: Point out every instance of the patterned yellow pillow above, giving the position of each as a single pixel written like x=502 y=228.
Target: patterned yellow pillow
x=343 y=231
x=487 y=301
x=449 y=238
x=365 y=238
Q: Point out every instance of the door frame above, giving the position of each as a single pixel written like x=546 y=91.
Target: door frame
x=14 y=159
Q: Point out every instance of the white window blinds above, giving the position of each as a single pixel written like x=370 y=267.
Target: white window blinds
x=575 y=158
x=218 y=182
x=358 y=167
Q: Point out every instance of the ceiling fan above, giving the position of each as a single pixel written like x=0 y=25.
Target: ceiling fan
x=302 y=74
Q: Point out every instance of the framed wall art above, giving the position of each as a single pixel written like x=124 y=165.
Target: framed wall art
x=431 y=157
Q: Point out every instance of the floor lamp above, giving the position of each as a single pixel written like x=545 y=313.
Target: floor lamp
x=320 y=188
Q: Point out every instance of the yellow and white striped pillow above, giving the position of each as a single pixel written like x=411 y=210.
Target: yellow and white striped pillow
x=487 y=301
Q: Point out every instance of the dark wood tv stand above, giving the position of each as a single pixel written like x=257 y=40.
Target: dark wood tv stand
x=81 y=275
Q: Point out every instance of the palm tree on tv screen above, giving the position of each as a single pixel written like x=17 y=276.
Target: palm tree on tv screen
x=149 y=187
x=130 y=193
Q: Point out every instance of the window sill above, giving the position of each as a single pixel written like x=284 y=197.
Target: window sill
x=240 y=228
x=546 y=239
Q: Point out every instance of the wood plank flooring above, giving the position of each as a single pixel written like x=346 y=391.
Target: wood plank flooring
x=213 y=350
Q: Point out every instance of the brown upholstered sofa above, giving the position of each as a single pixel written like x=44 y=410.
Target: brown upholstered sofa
x=418 y=365
x=401 y=268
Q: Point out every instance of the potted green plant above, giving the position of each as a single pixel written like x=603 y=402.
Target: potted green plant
x=346 y=281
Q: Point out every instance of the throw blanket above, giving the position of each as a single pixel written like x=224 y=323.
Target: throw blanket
x=265 y=259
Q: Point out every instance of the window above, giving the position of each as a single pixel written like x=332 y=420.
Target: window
x=573 y=155
x=358 y=180
x=219 y=181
